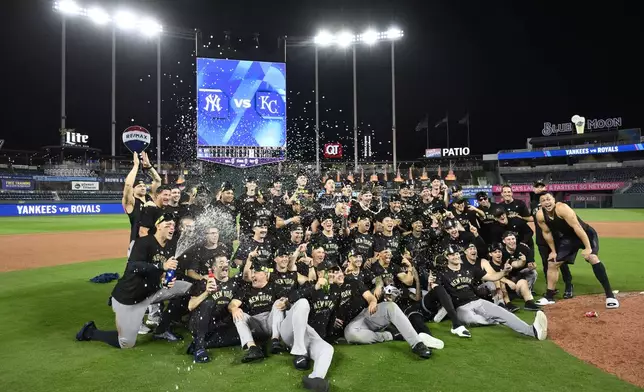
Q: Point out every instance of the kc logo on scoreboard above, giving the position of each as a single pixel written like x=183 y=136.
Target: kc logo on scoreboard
x=333 y=150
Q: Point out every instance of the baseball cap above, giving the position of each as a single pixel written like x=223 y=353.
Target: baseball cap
x=257 y=266
x=539 y=183
x=457 y=188
x=297 y=227
x=434 y=177
x=260 y=223
x=481 y=196
x=459 y=200
x=250 y=179
x=449 y=223
x=495 y=246
x=395 y=197
x=139 y=181
x=451 y=249
x=227 y=186
x=282 y=251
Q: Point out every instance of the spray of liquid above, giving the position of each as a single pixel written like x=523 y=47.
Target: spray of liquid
x=209 y=218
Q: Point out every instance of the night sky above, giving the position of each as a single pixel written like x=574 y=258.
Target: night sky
x=511 y=66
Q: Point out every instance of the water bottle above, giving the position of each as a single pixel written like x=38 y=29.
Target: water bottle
x=169 y=275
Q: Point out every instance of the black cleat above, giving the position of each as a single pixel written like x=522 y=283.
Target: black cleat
x=167 y=335
x=421 y=350
x=253 y=353
x=85 y=333
x=512 y=308
x=530 y=305
x=315 y=384
x=300 y=362
x=568 y=293
x=191 y=348
x=276 y=347
x=201 y=356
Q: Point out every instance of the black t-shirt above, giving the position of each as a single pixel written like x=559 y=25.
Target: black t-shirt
x=521 y=249
x=464 y=239
x=467 y=219
x=222 y=296
x=484 y=223
x=365 y=276
x=323 y=308
x=358 y=211
x=327 y=201
x=389 y=275
x=255 y=300
x=418 y=247
x=333 y=246
x=392 y=242
x=265 y=251
x=460 y=284
x=496 y=231
x=199 y=258
x=142 y=276
x=284 y=282
x=363 y=243
x=351 y=300
x=520 y=208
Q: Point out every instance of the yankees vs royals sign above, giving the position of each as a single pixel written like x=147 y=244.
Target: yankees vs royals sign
x=241 y=103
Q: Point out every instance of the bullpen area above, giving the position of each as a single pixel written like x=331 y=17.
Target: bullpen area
x=46 y=296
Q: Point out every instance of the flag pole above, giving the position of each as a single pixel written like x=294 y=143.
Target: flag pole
x=447 y=126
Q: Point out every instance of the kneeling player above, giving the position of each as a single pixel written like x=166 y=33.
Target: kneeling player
x=210 y=323
x=475 y=311
x=511 y=282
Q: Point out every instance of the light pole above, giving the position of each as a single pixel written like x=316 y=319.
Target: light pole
x=317 y=116
x=124 y=21
x=344 y=40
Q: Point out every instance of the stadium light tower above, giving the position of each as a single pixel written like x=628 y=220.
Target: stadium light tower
x=123 y=20
x=344 y=39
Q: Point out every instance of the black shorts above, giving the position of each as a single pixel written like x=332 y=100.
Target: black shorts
x=567 y=247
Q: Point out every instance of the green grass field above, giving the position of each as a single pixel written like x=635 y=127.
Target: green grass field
x=43 y=309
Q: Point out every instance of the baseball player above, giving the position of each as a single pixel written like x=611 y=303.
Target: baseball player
x=365 y=318
x=514 y=281
x=306 y=324
x=210 y=323
x=471 y=310
x=135 y=196
x=538 y=188
x=565 y=235
x=257 y=311
x=521 y=257
x=140 y=286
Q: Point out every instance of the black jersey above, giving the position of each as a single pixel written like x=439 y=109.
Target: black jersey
x=223 y=294
x=284 y=282
x=460 y=284
x=135 y=217
x=560 y=228
x=257 y=300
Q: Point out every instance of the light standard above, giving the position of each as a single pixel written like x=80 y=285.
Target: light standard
x=345 y=39
x=125 y=21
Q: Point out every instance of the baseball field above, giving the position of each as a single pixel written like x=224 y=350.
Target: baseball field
x=46 y=296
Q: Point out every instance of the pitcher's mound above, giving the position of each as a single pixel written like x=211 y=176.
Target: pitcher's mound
x=613 y=341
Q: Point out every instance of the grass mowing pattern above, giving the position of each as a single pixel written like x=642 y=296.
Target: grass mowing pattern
x=43 y=309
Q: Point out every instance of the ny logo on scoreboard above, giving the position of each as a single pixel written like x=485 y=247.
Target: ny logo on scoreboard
x=213 y=102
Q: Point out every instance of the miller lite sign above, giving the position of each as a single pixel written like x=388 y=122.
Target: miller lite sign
x=333 y=150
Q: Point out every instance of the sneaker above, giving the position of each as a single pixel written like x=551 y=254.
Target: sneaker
x=440 y=315
x=461 y=332
x=430 y=341
x=315 y=384
x=421 y=350
x=512 y=308
x=540 y=326
x=201 y=356
x=85 y=333
x=530 y=305
x=144 y=330
x=545 y=301
x=568 y=292
x=253 y=353
x=167 y=335
x=276 y=346
x=612 y=303
x=300 y=362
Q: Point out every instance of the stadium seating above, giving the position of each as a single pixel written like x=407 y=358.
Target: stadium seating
x=638 y=187
x=85 y=195
x=26 y=195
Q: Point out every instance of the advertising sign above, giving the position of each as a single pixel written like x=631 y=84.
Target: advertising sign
x=59 y=209
x=571 y=152
x=84 y=186
x=588 y=186
x=333 y=150
x=17 y=184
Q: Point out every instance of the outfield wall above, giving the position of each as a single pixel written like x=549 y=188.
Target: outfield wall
x=53 y=208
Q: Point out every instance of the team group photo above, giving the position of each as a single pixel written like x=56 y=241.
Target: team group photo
x=391 y=213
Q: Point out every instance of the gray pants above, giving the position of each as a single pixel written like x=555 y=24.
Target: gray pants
x=481 y=312
x=530 y=276
x=304 y=340
x=365 y=328
x=130 y=317
x=263 y=324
